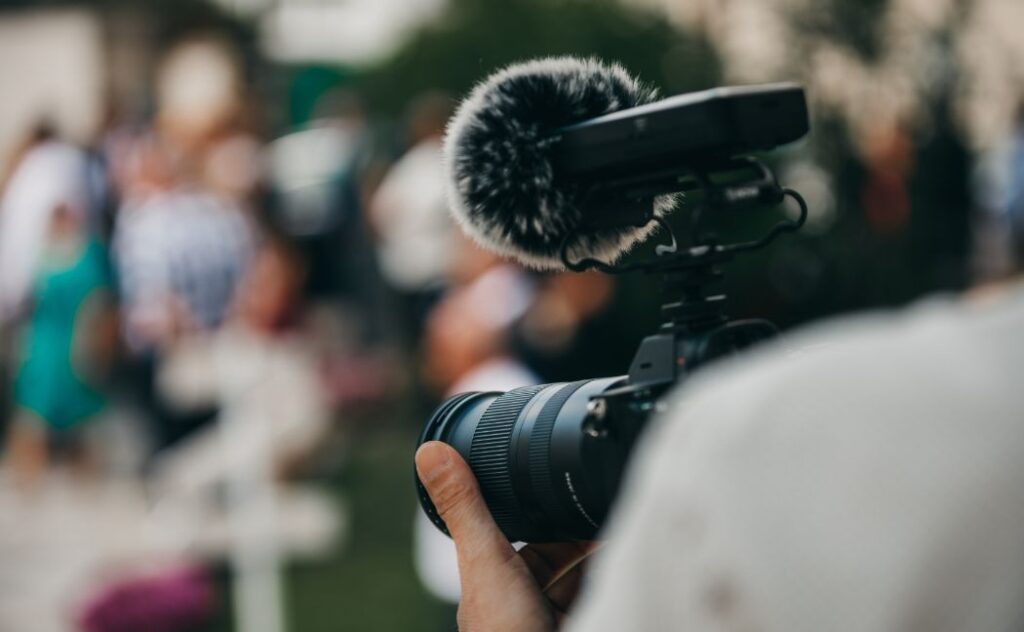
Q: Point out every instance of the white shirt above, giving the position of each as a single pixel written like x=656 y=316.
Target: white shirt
x=415 y=249
x=50 y=175
x=873 y=481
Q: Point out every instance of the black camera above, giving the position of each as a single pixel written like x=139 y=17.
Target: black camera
x=549 y=459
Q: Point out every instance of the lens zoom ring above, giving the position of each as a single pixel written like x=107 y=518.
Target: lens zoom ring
x=540 y=450
x=489 y=456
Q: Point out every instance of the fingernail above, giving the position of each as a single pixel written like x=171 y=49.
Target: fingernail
x=431 y=459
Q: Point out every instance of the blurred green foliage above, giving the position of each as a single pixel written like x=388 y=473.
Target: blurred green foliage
x=475 y=37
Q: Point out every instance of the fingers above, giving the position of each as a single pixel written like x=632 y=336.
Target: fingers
x=559 y=570
x=549 y=561
x=455 y=494
x=530 y=589
x=563 y=591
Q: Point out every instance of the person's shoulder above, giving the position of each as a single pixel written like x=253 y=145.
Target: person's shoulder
x=884 y=340
x=913 y=361
x=851 y=452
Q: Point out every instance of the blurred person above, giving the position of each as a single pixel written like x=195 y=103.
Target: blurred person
x=467 y=348
x=232 y=166
x=46 y=174
x=262 y=375
x=872 y=481
x=317 y=180
x=258 y=368
x=66 y=349
x=315 y=169
x=466 y=340
x=998 y=190
x=564 y=333
x=409 y=214
x=184 y=235
x=199 y=96
x=181 y=256
x=1015 y=186
x=889 y=154
x=35 y=178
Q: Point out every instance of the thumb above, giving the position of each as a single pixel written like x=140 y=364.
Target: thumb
x=456 y=496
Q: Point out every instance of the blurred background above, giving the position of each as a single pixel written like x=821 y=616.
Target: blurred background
x=230 y=291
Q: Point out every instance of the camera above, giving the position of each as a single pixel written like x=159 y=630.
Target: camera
x=549 y=459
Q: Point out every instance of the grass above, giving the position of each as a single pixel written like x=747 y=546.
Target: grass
x=368 y=582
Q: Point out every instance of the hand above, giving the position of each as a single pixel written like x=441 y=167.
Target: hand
x=502 y=590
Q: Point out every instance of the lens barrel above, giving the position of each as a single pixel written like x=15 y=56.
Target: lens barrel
x=541 y=476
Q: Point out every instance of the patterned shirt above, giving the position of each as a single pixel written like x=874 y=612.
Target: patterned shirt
x=181 y=251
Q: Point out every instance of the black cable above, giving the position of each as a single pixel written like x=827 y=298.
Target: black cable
x=699 y=252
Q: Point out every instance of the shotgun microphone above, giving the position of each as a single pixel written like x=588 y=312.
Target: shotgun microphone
x=538 y=147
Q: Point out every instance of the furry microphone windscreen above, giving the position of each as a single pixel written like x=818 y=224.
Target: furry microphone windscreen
x=502 y=186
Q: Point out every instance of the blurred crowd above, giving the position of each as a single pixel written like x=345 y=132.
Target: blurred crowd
x=194 y=314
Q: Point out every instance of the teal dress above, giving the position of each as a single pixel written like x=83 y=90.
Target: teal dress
x=47 y=382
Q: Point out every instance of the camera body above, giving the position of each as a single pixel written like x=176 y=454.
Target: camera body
x=549 y=459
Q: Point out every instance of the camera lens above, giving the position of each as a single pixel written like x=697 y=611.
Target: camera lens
x=543 y=478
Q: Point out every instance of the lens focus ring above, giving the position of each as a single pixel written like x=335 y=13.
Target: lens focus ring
x=490 y=457
x=540 y=449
